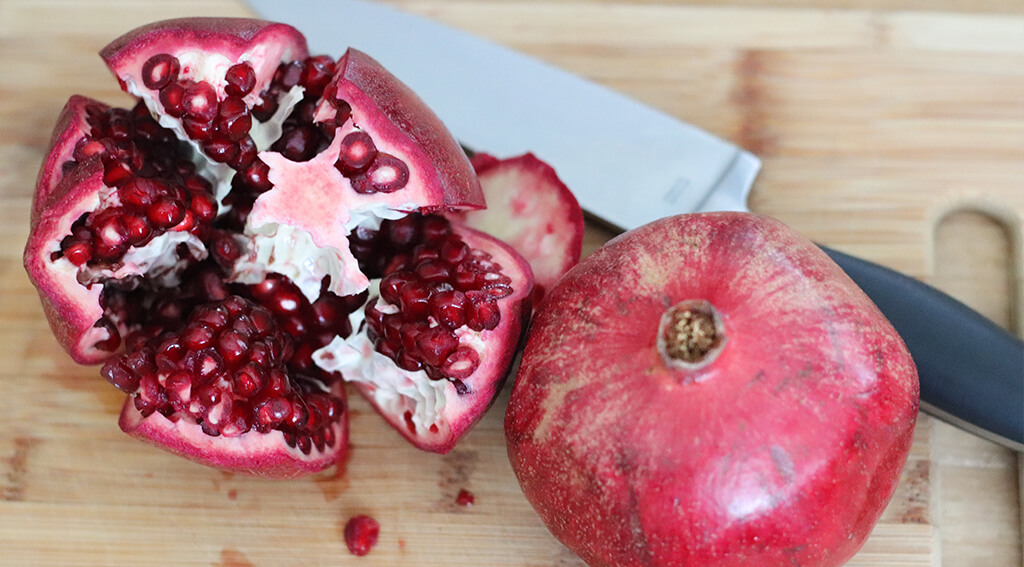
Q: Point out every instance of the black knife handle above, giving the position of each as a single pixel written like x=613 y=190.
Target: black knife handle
x=971 y=370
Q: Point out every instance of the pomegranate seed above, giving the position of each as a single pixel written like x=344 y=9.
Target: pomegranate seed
x=198 y=129
x=204 y=207
x=121 y=129
x=166 y=213
x=172 y=98
x=482 y=313
x=288 y=74
x=461 y=364
x=200 y=101
x=436 y=344
x=117 y=173
x=433 y=271
x=113 y=339
x=88 y=147
x=436 y=230
x=464 y=498
x=273 y=412
x=392 y=283
x=361 y=533
x=357 y=153
x=257 y=176
x=316 y=73
x=449 y=308
x=414 y=300
x=387 y=174
x=266 y=107
x=454 y=251
x=138 y=229
x=120 y=376
x=221 y=150
x=233 y=119
x=240 y=79
x=246 y=154
x=139 y=191
x=159 y=70
x=299 y=143
x=78 y=253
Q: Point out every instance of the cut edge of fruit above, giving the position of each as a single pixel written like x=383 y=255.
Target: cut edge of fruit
x=252 y=453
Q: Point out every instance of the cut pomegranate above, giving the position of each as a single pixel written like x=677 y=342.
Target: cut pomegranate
x=530 y=208
x=253 y=175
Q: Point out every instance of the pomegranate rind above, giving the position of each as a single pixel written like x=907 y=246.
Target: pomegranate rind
x=403 y=125
x=59 y=200
x=497 y=349
x=530 y=208
x=785 y=449
x=256 y=454
x=261 y=43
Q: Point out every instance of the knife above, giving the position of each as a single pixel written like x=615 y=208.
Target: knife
x=971 y=371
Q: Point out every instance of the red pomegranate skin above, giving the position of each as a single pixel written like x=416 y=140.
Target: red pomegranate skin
x=782 y=450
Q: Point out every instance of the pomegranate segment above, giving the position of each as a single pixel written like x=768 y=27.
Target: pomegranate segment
x=249 y=177
x=226 y=373
x=127 y=205
x=441 y=327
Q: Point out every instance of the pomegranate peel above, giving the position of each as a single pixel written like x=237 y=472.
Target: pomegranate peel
x=711 y=389
x=530 y=208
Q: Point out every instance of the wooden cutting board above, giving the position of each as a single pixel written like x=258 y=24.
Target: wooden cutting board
x=891 y=130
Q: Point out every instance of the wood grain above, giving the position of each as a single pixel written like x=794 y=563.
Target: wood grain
x=879 y=122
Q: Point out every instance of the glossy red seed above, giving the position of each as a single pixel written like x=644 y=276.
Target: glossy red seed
x=200 y=101
x=465 y=498
x=159 y=70
x=299 y=143
x=436 y=344
x=171 y=97
x=246 y=154
x=461 y=364
x=414 y=300
x=240 y=78
x=257 y=176
x=117 y=173
x=166 y=213
x=78 y=253
x=317 y=71
x=357 y=153
x=361 y=533
x=221 y=150
x=392 y=283
x=289 y=74
x=449 y=308
x=483 y=312
x=198 y=129
x=387 y=174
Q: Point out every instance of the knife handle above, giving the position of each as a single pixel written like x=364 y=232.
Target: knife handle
x=971 y=370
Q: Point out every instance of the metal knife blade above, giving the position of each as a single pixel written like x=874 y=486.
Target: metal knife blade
x=506 y=103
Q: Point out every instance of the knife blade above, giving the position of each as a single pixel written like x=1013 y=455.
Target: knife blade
x=493 y=98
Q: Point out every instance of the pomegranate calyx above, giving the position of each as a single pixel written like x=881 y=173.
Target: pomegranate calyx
x=690 y=335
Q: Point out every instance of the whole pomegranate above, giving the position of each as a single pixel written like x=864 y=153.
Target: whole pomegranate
x=261 y=224
x=711 y=390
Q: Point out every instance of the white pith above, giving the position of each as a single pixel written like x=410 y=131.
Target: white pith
x=393 y=389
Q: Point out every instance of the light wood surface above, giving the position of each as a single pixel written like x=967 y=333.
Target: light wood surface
x=892 y=130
